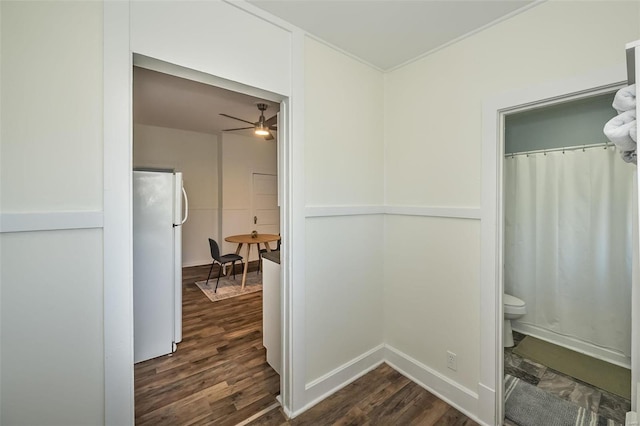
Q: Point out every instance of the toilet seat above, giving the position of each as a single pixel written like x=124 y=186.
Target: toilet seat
x=512 y=300
x=513 y=305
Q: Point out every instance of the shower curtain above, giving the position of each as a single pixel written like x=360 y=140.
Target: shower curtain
x=568 y=243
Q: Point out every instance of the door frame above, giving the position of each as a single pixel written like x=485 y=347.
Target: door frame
x=117 y=219
x=154 y=64
x=491 y=404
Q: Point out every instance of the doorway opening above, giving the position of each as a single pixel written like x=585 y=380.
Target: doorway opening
x=180 y=123
x=495 y=110
x=567 y=250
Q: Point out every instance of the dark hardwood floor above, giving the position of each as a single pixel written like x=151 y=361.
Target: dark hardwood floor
x=219 y=376
x=381 y=397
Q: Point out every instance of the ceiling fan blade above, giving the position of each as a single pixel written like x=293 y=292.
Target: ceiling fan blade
x=274 y=128
x=271 y=121
x=268 y=137
x=236 y=118
x=239 y=128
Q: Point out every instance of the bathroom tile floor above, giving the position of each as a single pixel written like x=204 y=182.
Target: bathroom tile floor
x=568 y=388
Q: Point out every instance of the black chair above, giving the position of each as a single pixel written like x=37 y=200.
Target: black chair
x=221 y=260
x=263 y=251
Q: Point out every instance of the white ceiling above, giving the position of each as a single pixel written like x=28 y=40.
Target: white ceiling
x=166 y=101
x=388 y=33
x=383 y=33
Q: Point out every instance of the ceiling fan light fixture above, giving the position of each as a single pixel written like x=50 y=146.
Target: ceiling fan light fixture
x=262 y=127
x=261 y=130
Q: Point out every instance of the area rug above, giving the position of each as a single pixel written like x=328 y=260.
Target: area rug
x=527 y=405
x=598 y=373
x=229 y=287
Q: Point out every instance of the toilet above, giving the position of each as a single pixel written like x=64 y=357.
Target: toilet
x=514 y=308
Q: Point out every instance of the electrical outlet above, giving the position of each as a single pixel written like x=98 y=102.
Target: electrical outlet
x=452 y=364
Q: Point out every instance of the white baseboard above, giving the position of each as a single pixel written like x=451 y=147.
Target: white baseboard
x=580 y=346
x=322 y=387
x=459 y=397
x=463 y=399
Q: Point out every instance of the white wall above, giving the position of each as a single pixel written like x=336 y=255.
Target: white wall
x=433 y=106
x=196 y=156
x=242 y=156
x=344 y=291
x=52 y=106
x=52 y=340
x=51 y=310
x=52 y=101
x=343 y=167
x=431 y=292
x=433 y=134
x=344 y=107
x=216 y=38
x=51 y=164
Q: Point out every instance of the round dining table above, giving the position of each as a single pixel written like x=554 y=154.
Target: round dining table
x=249 y=239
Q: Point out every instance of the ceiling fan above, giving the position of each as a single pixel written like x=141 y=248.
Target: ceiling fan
x=262 y=127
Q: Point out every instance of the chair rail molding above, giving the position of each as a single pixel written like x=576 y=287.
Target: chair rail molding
x=435 y=211
x=337 y=210
x=399 y=210
x=50 y=221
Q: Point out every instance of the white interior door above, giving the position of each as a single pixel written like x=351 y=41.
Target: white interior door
x=266 y=214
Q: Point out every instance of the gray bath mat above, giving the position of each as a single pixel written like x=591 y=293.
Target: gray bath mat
x=527 y=405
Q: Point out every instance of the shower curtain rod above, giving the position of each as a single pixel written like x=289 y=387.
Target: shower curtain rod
x=604 y=145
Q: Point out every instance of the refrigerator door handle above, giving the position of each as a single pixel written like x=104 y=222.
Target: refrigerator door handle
x=186 y=209
x=186 y=206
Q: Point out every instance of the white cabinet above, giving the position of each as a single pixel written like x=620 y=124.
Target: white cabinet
x=271 y=322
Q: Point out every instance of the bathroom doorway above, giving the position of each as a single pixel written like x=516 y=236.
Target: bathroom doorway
x=567 y=241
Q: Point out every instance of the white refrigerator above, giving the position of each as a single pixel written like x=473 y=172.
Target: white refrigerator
x=157 y=262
